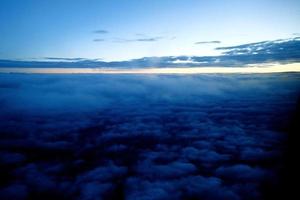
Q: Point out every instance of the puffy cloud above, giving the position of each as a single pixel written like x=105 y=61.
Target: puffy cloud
x=208 y=188
x=15 y=191
x=170 y=170
x=94 y=190
x=241 y=172
x=204 y=157
x=194 y=187
x=137 y=188
x=143 y=137
x=103 y=174
x=9 y=158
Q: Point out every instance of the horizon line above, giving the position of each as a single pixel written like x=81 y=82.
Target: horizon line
x=278 y=68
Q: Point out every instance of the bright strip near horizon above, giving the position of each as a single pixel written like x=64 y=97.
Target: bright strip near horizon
x=274 y=68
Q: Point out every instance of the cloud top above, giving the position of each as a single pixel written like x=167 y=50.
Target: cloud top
x=143 y=137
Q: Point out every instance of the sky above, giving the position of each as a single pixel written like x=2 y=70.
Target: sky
x=122 y=30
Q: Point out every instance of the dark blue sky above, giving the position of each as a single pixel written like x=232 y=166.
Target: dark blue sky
x=121 y=30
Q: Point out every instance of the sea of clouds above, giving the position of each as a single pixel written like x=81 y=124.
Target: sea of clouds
x=145 y=137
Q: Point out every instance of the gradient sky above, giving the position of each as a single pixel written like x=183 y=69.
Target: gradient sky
x=121 y=30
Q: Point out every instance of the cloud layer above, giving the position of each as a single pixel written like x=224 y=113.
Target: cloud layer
x=143 y=137
x=277 y=51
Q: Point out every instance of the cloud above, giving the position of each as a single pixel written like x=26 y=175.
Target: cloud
x=64 y=59
x=195 y=187
x=205 y=157
x=277 y=51
x=11 y=158
x=151 y=39
x=101 y=31
x=143 y=136
x=209 y=42
x=98 y=40
x=210 y=188
x=94 y=190
x=241 y=172
x=139 y=39
x=103 y=174
x=15 y=191
x=170 y=170
x=146 y=37
x=283 y=48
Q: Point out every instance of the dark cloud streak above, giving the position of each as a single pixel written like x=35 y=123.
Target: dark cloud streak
x=100 y=31
x=98 y=40
x=64 y=59
x=208 y=42
x=140 y=39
